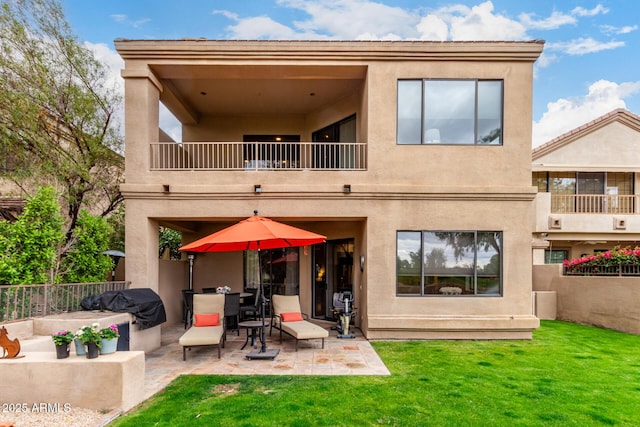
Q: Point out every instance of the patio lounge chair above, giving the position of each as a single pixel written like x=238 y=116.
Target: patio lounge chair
x=208 y=323
x=288 y=318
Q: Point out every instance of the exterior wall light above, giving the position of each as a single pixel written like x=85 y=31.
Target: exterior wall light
x=346 y=188
x=257 y=188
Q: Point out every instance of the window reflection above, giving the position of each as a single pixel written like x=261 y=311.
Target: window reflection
x=450 y=112
x=279 y=271
x=449 y=263
x=449 y=108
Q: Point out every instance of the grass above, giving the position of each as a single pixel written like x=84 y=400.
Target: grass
x=568 y=375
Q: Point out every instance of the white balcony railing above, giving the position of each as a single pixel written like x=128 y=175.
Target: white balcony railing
x=258 y=156
x=594 y=203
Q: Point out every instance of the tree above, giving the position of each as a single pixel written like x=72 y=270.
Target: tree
x=116 y=222
x=463 y=242
x=29 y=247
x=84 y=262
x=33 y=248
x=436 y=259
x=57 y=114
x=171 y=240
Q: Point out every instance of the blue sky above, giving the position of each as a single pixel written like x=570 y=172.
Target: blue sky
x=590 y=65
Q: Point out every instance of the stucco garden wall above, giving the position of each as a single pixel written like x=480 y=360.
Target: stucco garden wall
x=608 y=302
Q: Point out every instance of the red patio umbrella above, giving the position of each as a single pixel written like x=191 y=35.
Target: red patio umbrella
x=255 y=233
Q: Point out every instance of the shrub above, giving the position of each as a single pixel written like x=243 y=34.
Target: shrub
x=613 y=258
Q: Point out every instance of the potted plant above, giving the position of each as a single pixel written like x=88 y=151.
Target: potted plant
x=90 y=337
x=109 y=337
x=62 y=339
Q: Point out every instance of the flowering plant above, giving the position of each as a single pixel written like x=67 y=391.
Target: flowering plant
x=88 y=334
x=109 y=333
x=62 y=337
x=223 y=289
x=615 y=257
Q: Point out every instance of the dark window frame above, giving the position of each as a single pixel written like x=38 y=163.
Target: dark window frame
x=423 y=133
x=423 y=273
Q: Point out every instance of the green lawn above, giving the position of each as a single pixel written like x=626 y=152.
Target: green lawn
x=568 y=375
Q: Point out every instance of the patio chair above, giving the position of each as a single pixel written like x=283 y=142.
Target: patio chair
x=288 y=318
x=232 y=310
x=252 y=309
x=187 y=306
x=208 y=325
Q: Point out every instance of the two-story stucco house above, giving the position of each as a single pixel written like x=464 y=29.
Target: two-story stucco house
x=413 y=158
x=588 y=184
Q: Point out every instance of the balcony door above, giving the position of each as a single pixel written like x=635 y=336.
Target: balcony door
x=591 y=183
x=333 y=156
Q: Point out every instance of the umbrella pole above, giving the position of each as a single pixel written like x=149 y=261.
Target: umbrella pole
x=263 y=353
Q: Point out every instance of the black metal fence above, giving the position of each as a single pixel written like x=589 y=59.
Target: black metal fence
x=620 y=270
x=19 y=302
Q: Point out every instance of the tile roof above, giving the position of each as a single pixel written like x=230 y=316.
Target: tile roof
x=619 y=114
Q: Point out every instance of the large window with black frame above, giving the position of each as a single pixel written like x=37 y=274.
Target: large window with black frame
x=460 y=112
x=449 y=263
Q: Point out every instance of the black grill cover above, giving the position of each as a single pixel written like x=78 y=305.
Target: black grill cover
x=143 y=303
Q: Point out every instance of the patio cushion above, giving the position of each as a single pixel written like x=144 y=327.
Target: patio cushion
x=204 y=335
x=207 y=304
x=304 y=330
x=207 y=319
x=291 y=317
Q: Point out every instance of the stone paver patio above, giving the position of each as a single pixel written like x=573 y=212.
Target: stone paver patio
x=339 y=357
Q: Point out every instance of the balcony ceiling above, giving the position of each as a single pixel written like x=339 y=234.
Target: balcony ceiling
x=250 y=90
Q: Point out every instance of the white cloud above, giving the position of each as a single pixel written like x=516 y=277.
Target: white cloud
x=583 y=46
x=260 y=27
x=432 y=27
x=124 y=19
x=370 y=20
x=114 y=64
x=610 y=29
x=480 y=23
x=118 y=17
x=227 y=14
x=556 y=20
x=354 y=19
x=546 y=59
x=564 y=114
x=169 y=124
x=581 y=11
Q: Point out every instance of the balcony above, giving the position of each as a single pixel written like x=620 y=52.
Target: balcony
x=258 y=156
x=594 y=204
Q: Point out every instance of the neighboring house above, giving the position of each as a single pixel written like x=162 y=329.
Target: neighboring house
x=413 y=158
x=13 y=195
x=588 y=189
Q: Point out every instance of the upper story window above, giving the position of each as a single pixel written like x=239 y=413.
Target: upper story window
x=458 y=112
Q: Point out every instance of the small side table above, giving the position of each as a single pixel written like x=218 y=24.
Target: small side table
x=255 y=326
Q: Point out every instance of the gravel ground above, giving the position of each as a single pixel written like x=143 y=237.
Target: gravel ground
x=75 y=417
